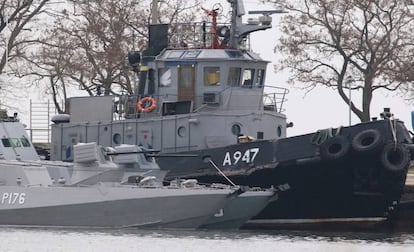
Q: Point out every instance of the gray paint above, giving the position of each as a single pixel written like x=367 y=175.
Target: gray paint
x=16 y=131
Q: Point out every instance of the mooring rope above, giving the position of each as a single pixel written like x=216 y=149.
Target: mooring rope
x=393 y=126
x=322 y=135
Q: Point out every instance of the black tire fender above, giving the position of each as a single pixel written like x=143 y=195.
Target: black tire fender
x=410 y=147
x=334 y=148
x=369 y=140
x=395 y=158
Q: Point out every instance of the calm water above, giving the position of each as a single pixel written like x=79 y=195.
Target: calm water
x=24 y=239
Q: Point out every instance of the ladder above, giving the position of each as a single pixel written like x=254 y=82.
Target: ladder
x=39 y=121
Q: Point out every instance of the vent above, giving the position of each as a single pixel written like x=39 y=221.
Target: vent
x=211 y=98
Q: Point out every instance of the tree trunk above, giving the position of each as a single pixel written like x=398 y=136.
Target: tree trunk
x=366 y=100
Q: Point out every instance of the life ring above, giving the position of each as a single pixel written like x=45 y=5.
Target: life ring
x=395 y=158
x=369 y=140
x=334 y=148
x=145 y=108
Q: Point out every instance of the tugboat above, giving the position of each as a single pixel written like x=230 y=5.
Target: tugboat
x=202 y=91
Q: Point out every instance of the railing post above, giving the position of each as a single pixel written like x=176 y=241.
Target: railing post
x=30 y=121
x=48 y=121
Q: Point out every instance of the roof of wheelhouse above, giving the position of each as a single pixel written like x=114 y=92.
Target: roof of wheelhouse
x=207 y=54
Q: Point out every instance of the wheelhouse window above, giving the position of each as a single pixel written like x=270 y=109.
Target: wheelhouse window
x=234 y=76
x=211 y=76
x=11 y=142
x=6 y=142
x=15 y=142
x=25 y=142
x=259 y=79
x=165 y=77
x=247 y=78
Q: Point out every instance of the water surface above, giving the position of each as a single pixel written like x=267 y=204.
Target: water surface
x=35 y=239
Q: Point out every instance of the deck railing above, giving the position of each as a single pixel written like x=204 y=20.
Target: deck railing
x=200 y=35
x=275 y=100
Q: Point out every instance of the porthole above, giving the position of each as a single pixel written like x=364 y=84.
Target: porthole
x=279 y=131
x=182 y=131
x=236 y=129
x=117 y=138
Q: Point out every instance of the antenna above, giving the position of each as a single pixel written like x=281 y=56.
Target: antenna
x=240 y=8
x=239 y=31
x=267 y=12
x=154 y=12
x=266 y=19
x=208 y=159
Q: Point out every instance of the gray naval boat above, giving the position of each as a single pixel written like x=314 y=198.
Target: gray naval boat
x=138 y=162
x=111 y=188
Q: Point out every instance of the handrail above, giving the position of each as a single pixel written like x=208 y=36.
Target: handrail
x=275 y=101
x=272 y=101
x=199 y=35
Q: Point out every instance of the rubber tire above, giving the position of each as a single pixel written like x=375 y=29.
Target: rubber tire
x=369 y=140
x=397 y=160
x=334 y=148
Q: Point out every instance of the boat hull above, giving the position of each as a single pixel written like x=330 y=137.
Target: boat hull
x=109 y=207
x=241 y=209
x=347 y=183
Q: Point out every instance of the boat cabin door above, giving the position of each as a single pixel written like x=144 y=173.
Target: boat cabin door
x=186 y=83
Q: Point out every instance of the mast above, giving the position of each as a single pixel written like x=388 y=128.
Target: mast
x=154 y=12
x=238 y=30
x=213 y=13
x=237 y=11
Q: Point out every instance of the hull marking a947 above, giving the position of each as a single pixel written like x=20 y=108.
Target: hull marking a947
x=233 y=158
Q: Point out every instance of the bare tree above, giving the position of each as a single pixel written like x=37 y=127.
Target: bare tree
x=88 y=43
x=86 y=47
x=18 y=33
x=179 y=10
x=408 y=92
x=364 y=45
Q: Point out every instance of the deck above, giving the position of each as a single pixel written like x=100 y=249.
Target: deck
x=410 y=176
